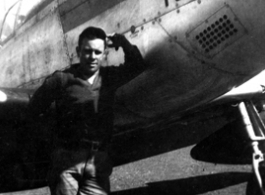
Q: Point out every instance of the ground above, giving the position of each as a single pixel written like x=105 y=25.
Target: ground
x=177 y=173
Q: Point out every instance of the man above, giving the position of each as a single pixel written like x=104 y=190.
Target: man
x=84 y=98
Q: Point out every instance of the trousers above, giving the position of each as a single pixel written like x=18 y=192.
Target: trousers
x=80 y=172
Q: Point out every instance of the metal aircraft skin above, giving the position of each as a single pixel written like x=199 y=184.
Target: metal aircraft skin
x=195 y=50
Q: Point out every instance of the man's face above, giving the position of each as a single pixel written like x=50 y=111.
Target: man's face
x=91 y=54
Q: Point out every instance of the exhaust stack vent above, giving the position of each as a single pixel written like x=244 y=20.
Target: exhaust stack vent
x=217 y=33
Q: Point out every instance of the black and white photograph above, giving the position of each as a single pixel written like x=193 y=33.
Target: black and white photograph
x=132 y=97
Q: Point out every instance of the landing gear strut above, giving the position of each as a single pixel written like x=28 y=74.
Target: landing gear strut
x=256 y=132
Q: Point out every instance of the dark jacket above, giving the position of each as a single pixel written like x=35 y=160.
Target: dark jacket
x=85 y=110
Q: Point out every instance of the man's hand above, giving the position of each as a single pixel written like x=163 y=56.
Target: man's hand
x=117 y=40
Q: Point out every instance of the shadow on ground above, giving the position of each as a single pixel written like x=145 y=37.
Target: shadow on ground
x=229 y=145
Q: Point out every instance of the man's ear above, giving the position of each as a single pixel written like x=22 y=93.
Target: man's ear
x=77 y=51
x=104 y=60
x=105 y=54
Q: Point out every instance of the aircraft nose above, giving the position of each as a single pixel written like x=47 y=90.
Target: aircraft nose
x=3 y=96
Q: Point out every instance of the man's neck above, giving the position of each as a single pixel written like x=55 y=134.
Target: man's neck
x=92 y=78
x=86 y=76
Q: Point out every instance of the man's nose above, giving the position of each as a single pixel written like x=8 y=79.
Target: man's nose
x=93 y=55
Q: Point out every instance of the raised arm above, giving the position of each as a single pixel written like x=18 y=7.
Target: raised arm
x=134 y=63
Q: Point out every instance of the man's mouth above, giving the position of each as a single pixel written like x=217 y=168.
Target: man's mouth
x=93 y=64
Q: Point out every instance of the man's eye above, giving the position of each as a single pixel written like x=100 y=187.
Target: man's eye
x=88 y=51
x=98 y=52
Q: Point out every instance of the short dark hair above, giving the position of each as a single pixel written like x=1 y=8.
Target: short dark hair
x=92 y=33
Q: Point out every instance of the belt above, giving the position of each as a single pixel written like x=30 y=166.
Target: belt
x=93 y=145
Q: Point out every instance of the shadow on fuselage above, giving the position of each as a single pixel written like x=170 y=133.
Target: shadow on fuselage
x=220 y=134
